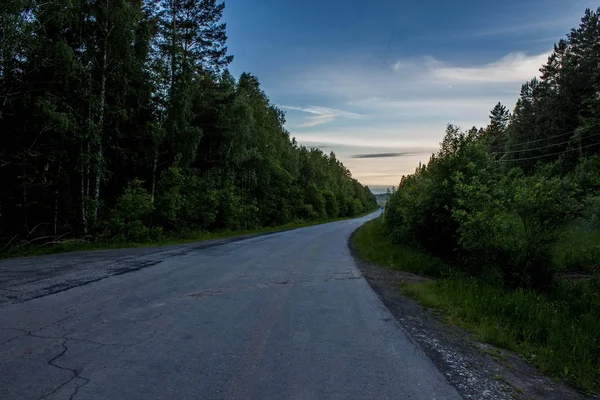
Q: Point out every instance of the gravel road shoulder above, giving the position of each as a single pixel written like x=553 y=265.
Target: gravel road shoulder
x=477 y=370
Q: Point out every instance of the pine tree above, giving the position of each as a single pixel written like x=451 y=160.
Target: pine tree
x=495 y=133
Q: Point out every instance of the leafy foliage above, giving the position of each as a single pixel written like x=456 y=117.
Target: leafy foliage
x=496 y=201
x=130 y=219
x=115 y=104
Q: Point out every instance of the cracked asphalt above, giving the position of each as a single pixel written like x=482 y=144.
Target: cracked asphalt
x=279 y=316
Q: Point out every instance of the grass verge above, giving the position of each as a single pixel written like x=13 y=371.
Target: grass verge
x=579 y=250
x=190 y=237
x=559 y=333
x=371 y=244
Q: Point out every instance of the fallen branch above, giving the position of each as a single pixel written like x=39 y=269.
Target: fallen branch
x=44 y=237
x=65 y=241
x=35 y=227
x=7 y=244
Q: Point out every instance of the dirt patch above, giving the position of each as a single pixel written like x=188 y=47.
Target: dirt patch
x=477 y=370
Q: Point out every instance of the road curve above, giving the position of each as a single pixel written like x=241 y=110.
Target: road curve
x=280 y=316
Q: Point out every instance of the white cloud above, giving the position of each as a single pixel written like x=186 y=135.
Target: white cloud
x=516 y=67
x=512 y=68
x=322 y=111
x=322 y=115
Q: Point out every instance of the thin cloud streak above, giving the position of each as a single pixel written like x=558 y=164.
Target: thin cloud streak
x=382 y=155
x=377 y=138
x=315 y=121
x=557 y=23
x=322 y=115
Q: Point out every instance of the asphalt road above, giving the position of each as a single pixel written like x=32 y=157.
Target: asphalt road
x=280 y=316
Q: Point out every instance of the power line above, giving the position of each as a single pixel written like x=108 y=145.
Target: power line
x=544 y=147
x=550 y=155
x=550 y=137
x=541 y=140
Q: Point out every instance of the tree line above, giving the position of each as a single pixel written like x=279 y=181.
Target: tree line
x=120 y=119
x=496 y=201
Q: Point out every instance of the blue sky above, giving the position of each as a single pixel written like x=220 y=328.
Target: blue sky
x=382 y=76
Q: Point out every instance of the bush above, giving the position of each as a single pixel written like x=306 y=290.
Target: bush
x=331 y=205
x=514 y=225
x=131 y=218
x=578 y=250
x=486 y=227
x=373 y=244
x=314 y=198
x=544 y=206
x=357 y=207
x=500 y=224
x=421 y=210
x=587 y=174
x=186 y=200
x=234 y=212
x=306 y=212
x=591 y=213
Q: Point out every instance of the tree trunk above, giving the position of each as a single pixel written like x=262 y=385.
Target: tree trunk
x=87 y=168
x=173 y=46
x=99 y=155
x=154 y=164
x=57 y=193
x=83 y=192
x=25 y=204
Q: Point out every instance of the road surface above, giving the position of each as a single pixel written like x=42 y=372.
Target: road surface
x=280 y=316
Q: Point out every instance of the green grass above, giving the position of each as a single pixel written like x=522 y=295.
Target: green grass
x=371 y=244
x=559 y=333
x=579 y=250
x=554 y=336
x=190 y=237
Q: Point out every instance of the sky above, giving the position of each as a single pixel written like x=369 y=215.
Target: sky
x=377 y=81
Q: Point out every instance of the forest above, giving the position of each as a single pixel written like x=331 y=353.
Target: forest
x=510 y=214
x=120 y=121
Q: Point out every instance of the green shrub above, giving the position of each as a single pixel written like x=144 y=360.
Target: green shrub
x=131 y=218
x=514 y=225
x=186 y=200
x=314 y=198
x=357 y=207
x=374 y=244
x=307 y=212
x=579 y=248
x=591 y=213
x=587 y=174
x=421 y=210
x=544 y=206
x=331 y=205
x=463 y=206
